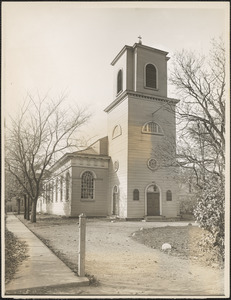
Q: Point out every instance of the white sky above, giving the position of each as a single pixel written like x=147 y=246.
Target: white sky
x=68 y=46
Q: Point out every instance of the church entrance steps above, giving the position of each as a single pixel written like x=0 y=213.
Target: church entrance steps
x=161 y=219
x=154 y=218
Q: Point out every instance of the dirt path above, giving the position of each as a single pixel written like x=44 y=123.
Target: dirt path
x=125 y=267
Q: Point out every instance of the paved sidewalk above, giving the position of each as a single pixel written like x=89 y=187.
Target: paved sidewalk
x=42 y=268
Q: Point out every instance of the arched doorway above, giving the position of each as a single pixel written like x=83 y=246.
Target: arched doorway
x=115 y=201
x=153 y=200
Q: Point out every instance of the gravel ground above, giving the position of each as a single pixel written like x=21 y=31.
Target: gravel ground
x=123 y=266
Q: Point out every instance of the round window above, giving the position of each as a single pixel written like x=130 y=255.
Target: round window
x=152 y=164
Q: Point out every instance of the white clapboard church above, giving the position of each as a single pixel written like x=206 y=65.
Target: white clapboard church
x=120 y=174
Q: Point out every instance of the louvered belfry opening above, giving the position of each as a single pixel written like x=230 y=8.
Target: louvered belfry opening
x=151 y=76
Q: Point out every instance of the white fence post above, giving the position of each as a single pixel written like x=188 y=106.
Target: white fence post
x=82 y=245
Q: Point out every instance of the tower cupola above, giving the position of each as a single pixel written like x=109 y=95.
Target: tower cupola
x=141 y=69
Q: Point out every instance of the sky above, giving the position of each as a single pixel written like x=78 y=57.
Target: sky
x=68 y=47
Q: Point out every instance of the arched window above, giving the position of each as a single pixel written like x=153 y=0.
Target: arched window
x=153 y=189
x=116 y=189
x=61 y=188
x=44 y=195
x=116 y=131
x=67 y=187
x=169 y=195
x=52 y=191
x=87 y=185
x=152 y=128
x=136 y=194
x=48 y=192
x=151 y=76
x=56 y=190
x=119 y=81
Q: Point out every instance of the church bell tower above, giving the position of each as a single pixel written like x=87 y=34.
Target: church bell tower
x=141 y=122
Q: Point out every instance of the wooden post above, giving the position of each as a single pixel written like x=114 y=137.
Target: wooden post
x=82 y=245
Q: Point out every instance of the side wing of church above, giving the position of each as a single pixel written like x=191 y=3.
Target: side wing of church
x=123 y=174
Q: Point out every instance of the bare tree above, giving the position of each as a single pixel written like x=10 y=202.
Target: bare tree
x=200 y=83
x=42 y=131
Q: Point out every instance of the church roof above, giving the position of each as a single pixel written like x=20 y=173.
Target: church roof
x=98 y=149
x=89 y=150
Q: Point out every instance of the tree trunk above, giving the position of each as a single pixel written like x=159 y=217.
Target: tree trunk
x=18 y=204
x=28 y=209
x=25 y=207
x=33 y=211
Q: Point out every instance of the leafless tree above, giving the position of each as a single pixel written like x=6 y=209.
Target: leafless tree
x=42 y=131
x=199 y=152
x=200 y=83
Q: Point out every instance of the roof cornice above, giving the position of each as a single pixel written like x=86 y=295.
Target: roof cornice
x=136 y=45
x=120 y=54
x=69 y=156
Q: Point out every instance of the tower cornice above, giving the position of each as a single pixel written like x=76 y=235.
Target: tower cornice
x=120 y=54
x=139 y=95
x=137 y=45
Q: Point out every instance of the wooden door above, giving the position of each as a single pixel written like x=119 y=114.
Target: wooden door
x=153 y=204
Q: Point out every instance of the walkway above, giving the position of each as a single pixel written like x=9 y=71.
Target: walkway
x=42 y=268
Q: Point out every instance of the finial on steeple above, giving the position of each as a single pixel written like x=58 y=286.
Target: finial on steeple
x=140 y=39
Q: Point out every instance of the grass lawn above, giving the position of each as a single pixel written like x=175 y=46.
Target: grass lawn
x=186 y=242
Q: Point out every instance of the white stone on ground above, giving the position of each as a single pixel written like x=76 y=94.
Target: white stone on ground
x=166 y=246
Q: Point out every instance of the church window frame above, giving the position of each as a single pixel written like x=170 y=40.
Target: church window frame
x=152 y=128
x=151 y=76
x=117 y=131
x=56 y=189
x=119 y=82
x=136 y=195
x=68 y=183
x=61 y=189
x=87 y=186
x=45 y=193
x=48 y=192
x=52 y=191
x=169 y=195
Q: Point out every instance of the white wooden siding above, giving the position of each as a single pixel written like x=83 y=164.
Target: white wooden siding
x=141 y=147
x=118 y=150
x=97 y=206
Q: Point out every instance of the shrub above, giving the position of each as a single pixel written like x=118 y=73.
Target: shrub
x=210 y=211
x=187 y=206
